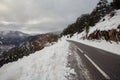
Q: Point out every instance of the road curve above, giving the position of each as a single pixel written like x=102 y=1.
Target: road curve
x=101 y=64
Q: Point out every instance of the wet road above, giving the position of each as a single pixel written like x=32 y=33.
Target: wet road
x=101 y=64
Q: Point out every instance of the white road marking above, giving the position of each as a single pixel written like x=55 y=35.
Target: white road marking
x=80 y=50
x=98 y=68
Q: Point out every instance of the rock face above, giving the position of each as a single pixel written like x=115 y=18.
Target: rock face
x=110 y=35
x=32 y=44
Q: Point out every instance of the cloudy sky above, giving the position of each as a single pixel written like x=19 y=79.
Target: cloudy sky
x=40 y=16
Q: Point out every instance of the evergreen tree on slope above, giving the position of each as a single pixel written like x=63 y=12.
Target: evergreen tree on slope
x=100 y=11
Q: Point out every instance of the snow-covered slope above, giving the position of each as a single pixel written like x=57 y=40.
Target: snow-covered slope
x=47 y=64
x=108 y=22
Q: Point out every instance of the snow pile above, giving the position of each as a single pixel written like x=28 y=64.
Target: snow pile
x=47 y=64
x=77 y=36
x=108 y=23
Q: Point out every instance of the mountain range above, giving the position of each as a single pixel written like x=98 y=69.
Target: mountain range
x=10 y=39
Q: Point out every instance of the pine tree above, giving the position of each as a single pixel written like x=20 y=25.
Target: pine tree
x=100 y=11
x=102 y=8
x=116 y=4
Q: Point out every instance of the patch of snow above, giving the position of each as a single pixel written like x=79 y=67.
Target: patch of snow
x=5 y=48
x=0 y=42
x=48 y=44
x=79 y=36
x=47 y=64
x=20 y=34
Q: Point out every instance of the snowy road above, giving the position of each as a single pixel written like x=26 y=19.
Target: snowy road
x=102 y=65
x=65 y=60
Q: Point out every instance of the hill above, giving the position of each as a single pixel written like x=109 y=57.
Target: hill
x=10 y=39
x=102 y=23
x=29 y=46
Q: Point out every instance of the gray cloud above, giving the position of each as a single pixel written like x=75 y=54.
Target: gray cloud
x=39 y=16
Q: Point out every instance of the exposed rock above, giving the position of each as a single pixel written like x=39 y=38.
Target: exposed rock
x=110 y=35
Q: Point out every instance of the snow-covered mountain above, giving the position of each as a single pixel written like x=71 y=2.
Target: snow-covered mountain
x=10 y=39
x=15 y=34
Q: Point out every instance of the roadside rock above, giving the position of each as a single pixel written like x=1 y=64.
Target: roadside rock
x=110 y=35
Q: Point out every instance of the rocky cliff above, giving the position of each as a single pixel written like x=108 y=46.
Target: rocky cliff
x=110 y=35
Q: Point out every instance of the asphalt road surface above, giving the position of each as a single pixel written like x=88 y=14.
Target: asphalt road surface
x=101 y=64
